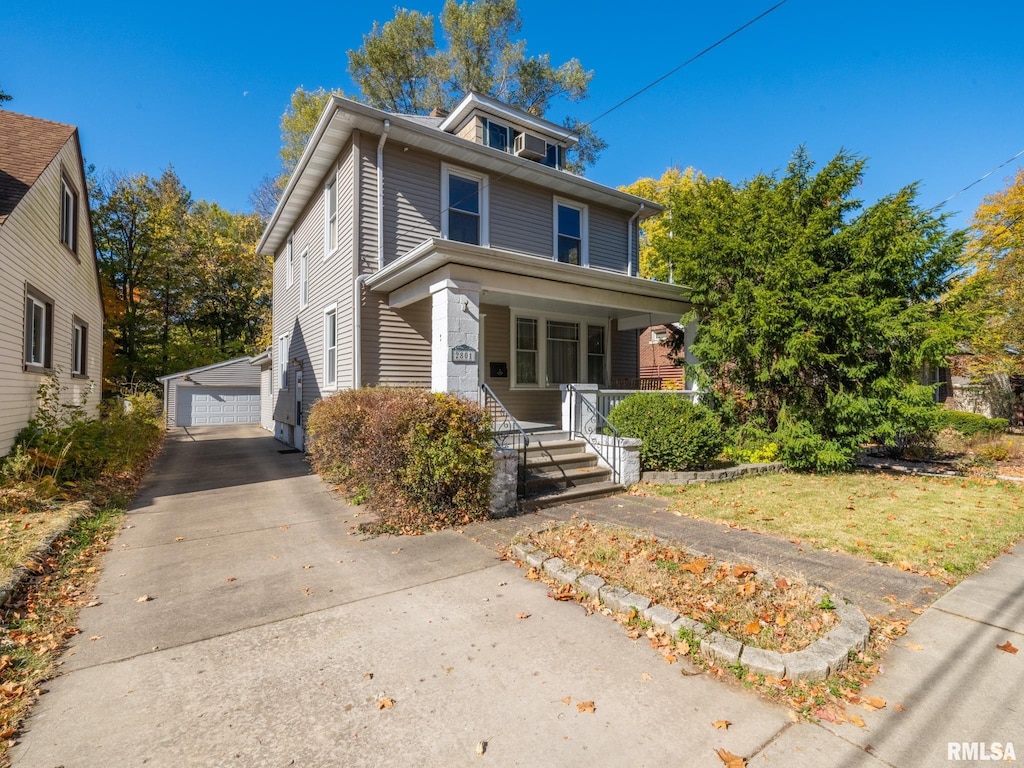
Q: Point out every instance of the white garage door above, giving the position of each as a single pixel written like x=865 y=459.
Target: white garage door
x=209 y=406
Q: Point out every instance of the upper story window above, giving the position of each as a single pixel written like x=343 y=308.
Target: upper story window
x=570 y=233
x=659 y=335
x=503 y=137
x=68 y=215
x=331 y=347
x=464 y=195
x=330 y=217
x=282 y=361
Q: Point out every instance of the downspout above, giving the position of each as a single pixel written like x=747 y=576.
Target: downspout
x=357 y=285
x=629 y=265
x=380 y=194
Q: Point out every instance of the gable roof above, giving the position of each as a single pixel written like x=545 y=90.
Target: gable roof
x=28 y=146
x=202 y=368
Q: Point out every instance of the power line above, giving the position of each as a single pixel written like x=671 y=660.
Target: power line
x=687 y=62
x=978 y=180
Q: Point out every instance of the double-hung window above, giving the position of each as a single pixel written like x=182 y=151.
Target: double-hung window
x=549 y=351
x=526 y=350
x=68 y=215
x=282 y=361
x=330 y=217
x=38 y=330
x=79 y=347
x=289 y=263
x=464 y=195
x=570 y=233
x=331 y=347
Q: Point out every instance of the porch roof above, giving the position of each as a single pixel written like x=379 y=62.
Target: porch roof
x=518 y=279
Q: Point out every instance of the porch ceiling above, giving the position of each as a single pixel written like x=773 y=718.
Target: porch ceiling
x=508 y=278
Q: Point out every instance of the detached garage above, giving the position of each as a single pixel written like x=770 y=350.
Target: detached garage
x=214 y=395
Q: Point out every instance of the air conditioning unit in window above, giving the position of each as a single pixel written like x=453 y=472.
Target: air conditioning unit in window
x=531 y=147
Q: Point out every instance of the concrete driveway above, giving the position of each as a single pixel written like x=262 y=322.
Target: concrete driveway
x=271 y=631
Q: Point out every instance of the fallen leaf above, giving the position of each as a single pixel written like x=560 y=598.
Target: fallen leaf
x=722 y=725
x=899 y=707
x=231 y=578
x=873 y=702
x=567 y=700
x=481 y=747
x=586 y=706
x=179 y=538
x=367 y=675
x=522 y=615
x=96 y=637
x=730 y=760
x=307 y=591
x=739 y=571
x=644 y=676
x=306 y=567
x=753 y=627
x=1007 y=646
x=857 y=720
x=696 y=567
x=915 y=647
x=781 y=584
x=143 y=599
x=385 y=703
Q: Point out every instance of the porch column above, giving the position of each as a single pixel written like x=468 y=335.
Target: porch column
x=455 y=338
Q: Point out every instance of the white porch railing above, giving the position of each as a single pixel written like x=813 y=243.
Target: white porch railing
x=606 y=399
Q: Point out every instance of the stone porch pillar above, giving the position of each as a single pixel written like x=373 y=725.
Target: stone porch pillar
x=455 y=338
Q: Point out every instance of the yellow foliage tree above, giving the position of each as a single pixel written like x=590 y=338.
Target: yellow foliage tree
x=996 y=254
x=654 y=263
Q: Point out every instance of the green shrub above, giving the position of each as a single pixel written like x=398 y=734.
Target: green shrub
x=803 y=448
x=676 y=433
x=971 y=424
x=908 y=421
x=421 y=460
x=751 y=444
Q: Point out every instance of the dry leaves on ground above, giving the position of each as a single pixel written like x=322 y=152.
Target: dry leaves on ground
x=586 y=706
x=730 y=760
x=385 y=702
x=1007 y=647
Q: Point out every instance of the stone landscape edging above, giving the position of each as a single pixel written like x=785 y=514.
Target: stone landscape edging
x=689 y=477
x=823 y=657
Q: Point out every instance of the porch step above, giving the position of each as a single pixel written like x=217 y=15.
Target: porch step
x=540 y=462
x=567 y=495
x=554 y=448
x=557 y=478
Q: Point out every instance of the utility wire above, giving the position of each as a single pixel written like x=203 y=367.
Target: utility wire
x=978 y=180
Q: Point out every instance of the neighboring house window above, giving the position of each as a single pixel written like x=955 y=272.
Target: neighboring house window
x=68 y=215
x=595 y=354
x=289 y=257
x=38 y=330
x=303 y=280
x=570 y=233
x=331 y=347
x=282 y=361
x=331 y=218
x=563 y=358
x=659 y=336
x=526 y=350
x=465 y=215
x=79 y=347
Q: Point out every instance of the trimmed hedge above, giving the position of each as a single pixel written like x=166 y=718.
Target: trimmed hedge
x=971 y=424
x=421 y=460
x=676 y=433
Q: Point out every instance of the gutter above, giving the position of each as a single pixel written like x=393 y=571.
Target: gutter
x=380 y=194
x=633 y=271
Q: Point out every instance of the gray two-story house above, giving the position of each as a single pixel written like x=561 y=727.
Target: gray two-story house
x=450 y=252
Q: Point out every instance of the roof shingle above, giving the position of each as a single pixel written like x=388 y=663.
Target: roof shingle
x=27 y=146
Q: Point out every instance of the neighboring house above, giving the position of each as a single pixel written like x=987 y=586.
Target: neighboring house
x=51 y=309
x=450 y=252
x=661 y=364
x=213 y=395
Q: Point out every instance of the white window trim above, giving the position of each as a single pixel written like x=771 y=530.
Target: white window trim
x=584 y=226
x=304 y=279
x=659 y=337
x=542 y=353
x=68 y=215
x=45 y=348
x=481 y=179
x=79 y=347
x=289 y=256
x=331 y=183
x=283 y=345
x=331 y=382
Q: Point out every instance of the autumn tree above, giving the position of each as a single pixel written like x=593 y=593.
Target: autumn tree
x=815 y=312
x=655 y=263
x=4 y=96
x=995 y=253
x=401 y=68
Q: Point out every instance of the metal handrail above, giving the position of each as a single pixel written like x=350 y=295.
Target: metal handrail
x=506 y=432
x=595 y=423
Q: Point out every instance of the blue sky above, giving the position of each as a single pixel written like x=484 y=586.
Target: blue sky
x=927 y=91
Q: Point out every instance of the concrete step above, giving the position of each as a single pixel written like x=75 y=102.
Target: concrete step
x=567 y=495
x=557 y=478
x=541 y=462
x=553 y=448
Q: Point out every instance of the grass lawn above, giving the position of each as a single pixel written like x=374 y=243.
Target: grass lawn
x=24 y=522
x=945 y=527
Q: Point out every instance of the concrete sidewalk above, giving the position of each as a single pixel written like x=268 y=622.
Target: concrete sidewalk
x=271 y=633
x=949 y=691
